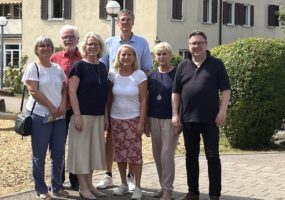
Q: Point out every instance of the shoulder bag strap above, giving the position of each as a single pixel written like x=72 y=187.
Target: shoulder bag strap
x=38 y=87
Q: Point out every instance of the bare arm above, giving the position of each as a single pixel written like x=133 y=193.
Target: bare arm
x=73 y=86
x=221 y=116
x=175 y=101
x=143 y=106
x=62 y=107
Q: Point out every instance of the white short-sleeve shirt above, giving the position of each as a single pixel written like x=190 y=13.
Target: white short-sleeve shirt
x=125 y=91
x=50 y=84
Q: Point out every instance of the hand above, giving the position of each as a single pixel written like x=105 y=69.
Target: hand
x=146 y=130
x=176 y=121
x=140 y=129
x=78 y=122
x=220 y=118
x=61 y=110
x=178 y=130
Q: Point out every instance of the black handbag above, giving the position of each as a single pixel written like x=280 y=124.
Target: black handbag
x=23 y=122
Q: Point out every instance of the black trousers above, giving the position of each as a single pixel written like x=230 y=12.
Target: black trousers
x=72 y=177
x=210 y=135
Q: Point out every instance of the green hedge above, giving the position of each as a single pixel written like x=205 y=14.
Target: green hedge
x=256 y=70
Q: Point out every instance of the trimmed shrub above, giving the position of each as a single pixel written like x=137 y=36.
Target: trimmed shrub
x=256 y=69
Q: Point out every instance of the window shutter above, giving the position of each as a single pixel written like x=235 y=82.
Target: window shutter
x=67 y=9
x=242 y=14
x=226 y=13
x=102 y=9
x=176 y=9
x=270 y=16
x=251 y=15
x=237 y=13
x=130 y=5
x=44 y=9
x=205 y=13
x=214 y=11
x=276 y=17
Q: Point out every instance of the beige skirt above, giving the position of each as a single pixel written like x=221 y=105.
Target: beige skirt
x=86 y=148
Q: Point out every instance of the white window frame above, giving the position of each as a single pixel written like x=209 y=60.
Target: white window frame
x=51 y=8
x=232 y=13
x=12 y=50
x=209 y=11
x=247 y=15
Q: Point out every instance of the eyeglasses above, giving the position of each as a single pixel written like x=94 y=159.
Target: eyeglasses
x=197 y=43
x=70 y=37
x=93 y=44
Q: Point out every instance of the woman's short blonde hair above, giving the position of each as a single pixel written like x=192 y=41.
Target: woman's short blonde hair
x=162 y=46
x=43 y=40
x=117 y=64
x=97 y=37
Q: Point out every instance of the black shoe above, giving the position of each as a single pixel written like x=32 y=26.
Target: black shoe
x=75 y=187
x=191 y=196
x=214 y=198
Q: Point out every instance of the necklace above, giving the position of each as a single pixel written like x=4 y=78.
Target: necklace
x=97 y=74
x=159 y=87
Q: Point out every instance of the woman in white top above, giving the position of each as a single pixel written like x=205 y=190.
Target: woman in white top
x=47 y=87
x=128 y=114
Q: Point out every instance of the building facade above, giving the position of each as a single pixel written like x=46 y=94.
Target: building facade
x=12 y=37
x=156 y=20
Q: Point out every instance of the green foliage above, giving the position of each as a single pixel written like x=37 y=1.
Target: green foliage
x=256 y=69
x=13 y=76
x=175 y=60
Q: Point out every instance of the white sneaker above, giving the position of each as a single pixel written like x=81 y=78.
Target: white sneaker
x=107 y=181
x=131 y=181
x=122 y=189
x=137 y=194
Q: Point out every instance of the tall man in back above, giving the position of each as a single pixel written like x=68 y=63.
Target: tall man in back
x=125 y=24
x=197 y=84
x=69 y=36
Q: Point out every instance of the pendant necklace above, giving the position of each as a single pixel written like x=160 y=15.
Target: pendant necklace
x=97 y=74
x=159 y=88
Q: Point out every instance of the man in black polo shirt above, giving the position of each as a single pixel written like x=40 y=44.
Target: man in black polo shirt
x=197 y=84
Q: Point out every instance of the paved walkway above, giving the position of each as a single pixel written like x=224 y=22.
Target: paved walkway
x=244 y=177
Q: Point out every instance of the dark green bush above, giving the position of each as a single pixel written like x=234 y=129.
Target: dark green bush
x=256 y=68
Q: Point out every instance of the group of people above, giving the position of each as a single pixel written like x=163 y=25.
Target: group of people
x=105 y=96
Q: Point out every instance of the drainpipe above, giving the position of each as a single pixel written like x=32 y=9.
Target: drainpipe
x=220 y=21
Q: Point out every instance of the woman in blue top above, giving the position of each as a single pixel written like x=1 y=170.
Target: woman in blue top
x=163 y=134
x=88 y=88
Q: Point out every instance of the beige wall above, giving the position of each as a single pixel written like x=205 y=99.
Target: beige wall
x=153 y=18
x=86 y=17
x=176 y=32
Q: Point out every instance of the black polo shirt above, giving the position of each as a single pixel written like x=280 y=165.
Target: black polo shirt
x=199 y=89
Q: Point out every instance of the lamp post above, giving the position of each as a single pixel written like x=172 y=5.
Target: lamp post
x=3 y=22
x=112 y=8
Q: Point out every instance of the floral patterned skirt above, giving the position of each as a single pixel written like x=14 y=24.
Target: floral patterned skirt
x=127 y=144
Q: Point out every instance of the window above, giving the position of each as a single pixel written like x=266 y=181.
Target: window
x=125 y=4
x=184 y=53
x=177 y=9
x=12 y=55
x=55 y=9
x=249 y=15
x=210 y=11
x=273 y=18
x=228 y=13
x=244 y=15
x=11 y=11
